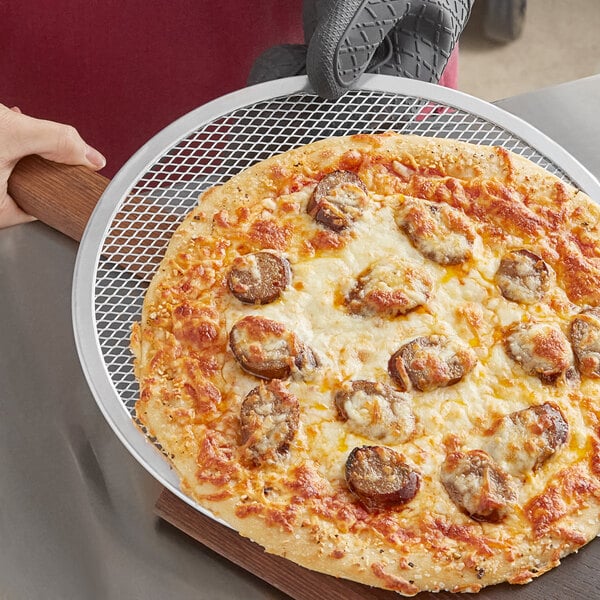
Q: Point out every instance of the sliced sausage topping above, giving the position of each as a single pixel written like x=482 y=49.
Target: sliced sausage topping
x=542 y=350
x=430 y=362
x=265 y=348
x=585 y=339
x=259 y=278
x=523 y=277
x=269 y=419
x=390 y=288
x=376 y=411
x=338 y=200
x=524 y=440
x=477 y=485
x=441 y=233
x=380 y=478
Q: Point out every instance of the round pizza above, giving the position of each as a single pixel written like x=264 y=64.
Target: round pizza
x=379 y=356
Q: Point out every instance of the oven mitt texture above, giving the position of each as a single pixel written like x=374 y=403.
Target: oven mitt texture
x=345 y=38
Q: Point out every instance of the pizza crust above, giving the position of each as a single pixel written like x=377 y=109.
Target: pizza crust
x=300 y=507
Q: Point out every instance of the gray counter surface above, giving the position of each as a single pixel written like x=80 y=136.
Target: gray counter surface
x=76 y=510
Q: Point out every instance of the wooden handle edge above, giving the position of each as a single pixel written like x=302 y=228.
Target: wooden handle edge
x=62 y=196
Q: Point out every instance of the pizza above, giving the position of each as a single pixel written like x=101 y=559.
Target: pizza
x=379 y=357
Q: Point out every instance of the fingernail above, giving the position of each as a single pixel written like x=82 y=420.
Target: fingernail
x=95 y=158
x=16 y=109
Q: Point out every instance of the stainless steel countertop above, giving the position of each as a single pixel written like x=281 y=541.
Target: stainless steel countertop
x=76 y=510
x=567 y=113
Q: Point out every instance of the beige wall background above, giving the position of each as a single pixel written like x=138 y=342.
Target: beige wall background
x=560 y=42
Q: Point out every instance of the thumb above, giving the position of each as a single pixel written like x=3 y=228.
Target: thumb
x=54 y=141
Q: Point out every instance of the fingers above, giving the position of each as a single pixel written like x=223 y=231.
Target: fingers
x=23 y=135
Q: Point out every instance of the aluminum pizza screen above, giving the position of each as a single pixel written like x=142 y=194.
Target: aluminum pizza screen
x=211 y=154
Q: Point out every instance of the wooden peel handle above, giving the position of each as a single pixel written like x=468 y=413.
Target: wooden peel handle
x=62 y=196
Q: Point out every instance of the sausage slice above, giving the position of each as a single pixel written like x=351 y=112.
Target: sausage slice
x=269 y=418
x=542 y=350
x=338 y=200
x=259 y=278
x=585 y=340
x=477 y=485
x=265 y=348
x=524 y=440
x=523 y=277
x=440 y=232
x=390 y=288
x=430 y=362
x=380 y=478
x=376 y=411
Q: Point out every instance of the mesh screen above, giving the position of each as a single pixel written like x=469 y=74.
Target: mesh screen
x=217 y=150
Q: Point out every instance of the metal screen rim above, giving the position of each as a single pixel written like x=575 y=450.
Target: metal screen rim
x=83 y=292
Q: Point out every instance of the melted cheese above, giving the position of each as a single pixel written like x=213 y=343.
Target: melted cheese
x=383 y=420
x=351 y=347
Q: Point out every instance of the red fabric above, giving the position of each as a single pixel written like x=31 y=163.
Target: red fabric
x=449 y=77
x=120 y=71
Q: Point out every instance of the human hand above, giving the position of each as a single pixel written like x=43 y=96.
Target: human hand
x=21 y=136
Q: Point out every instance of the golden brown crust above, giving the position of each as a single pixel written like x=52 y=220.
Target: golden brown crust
x=296 y=501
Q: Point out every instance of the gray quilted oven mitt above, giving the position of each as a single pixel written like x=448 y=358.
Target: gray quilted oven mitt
x=345 y=38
